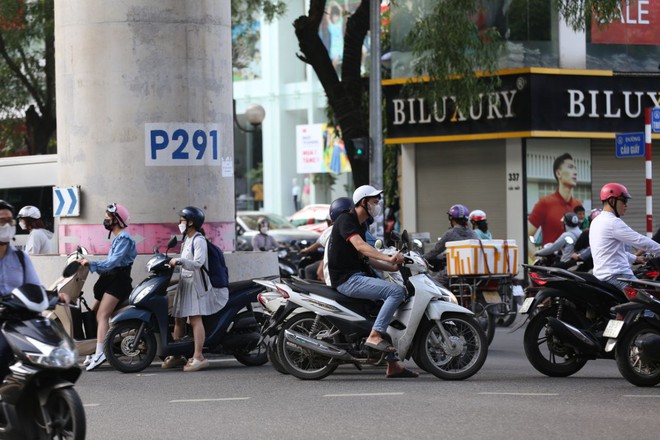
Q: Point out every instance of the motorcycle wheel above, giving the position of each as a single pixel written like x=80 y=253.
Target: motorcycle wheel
x=121 y=352
x=301 y=362
x=632 y=367
x=66 y=413
x=458 y=362
x=274 y=358
x=258 y=355
x=488 y=321
x=545 y=352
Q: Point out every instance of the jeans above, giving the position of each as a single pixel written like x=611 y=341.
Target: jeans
x=360 y=285
x=620 y=284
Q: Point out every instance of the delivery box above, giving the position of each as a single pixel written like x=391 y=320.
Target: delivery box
x=482 y=257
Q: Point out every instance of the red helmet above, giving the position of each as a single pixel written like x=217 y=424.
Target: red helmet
x=615 y=190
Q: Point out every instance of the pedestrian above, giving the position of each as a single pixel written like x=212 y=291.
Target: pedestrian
x=195 y=296
x=115 y=283
x=39 y=238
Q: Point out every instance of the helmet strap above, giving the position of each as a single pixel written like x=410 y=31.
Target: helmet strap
x=612 y=203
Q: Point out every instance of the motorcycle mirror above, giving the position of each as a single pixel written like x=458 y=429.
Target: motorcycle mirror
x=173 y=241
x=406 y=239
x=378 y=244
x=71 y=269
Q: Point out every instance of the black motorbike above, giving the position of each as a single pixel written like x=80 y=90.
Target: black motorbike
x=635 y=334
x=37 y=399
x=568 y=316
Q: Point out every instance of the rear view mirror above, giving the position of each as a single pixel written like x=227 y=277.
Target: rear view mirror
x=173 y=241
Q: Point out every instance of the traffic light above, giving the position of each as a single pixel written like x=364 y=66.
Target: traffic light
x=360 y=149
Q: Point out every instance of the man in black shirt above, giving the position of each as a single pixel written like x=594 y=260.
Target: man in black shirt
x=349 y=260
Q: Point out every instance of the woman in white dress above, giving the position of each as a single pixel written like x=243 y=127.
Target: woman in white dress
x=195 y=296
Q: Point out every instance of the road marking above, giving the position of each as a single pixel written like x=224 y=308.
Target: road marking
x=145 y=375
x=634 y=396
x=88 y=405
x=519 y=394
x=362 y=394
x=224 y=399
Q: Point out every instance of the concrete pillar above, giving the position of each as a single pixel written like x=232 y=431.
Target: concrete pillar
x=131 y=74
x=408 y=214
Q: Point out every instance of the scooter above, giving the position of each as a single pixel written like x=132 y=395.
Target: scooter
x=634 y=334
x=140 y=332
x=329 y=329
x=569 y=314
x=37 y=399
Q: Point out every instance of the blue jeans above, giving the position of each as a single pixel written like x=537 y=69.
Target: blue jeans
x=620 y=284
x=360 y=285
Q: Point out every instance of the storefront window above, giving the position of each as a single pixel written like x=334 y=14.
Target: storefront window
x=631 y=43
x=524 y=24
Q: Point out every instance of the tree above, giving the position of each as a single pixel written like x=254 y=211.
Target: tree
x=445 y=42
x=27 y=71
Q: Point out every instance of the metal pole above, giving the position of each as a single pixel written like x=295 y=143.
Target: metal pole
x=649 y=173
x=375 y=109
x=248 y=165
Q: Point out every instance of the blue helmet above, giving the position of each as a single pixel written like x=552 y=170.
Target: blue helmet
x=459 y=213
x=339 y=206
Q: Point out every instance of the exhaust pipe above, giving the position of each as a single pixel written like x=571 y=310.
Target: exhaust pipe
x=321 y=347
x=574 y=337
x=649 y=347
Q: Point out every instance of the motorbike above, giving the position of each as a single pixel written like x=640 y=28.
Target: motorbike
x=568 y=316
x=329 y=329
x=37 y=399
x=143 y=330
x=634 y=334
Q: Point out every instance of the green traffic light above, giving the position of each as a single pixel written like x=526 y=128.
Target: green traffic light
x=359 y=151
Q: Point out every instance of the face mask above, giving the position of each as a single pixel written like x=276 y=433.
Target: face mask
x=263 y=229
x=183 y=227
x=7 y=233
x=374 y=210
x=107 y=224
x=22 y=224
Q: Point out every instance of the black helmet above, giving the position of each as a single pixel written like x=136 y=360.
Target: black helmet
x=7 y=205
x=193 y=214
x=570 y=219
x=339 y=206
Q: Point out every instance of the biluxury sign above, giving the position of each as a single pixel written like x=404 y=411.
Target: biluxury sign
x=530 y=102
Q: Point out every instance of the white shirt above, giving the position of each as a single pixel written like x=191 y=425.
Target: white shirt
x=609 y=237
x=324 y=240
x=38 y=242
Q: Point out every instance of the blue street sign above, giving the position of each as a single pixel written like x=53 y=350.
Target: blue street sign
x=630 y=145
x=655 y=120
x=65 y=201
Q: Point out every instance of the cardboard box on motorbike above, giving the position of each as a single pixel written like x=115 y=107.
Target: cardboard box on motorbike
x=482 y=257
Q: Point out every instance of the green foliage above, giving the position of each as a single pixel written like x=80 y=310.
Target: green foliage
x=579 y=13
x=256 y=174
x=244 y=11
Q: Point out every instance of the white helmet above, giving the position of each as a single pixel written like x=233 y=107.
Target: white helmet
x=29 y=211
x=365 y=191
x=477 y=215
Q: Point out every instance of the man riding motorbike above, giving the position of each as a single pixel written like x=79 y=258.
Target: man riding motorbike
x=565 y=243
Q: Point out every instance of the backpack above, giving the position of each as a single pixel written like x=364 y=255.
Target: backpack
x=217 y=269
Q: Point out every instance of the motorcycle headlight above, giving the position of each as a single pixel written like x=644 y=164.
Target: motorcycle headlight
x=59 y=357
x=136 y=297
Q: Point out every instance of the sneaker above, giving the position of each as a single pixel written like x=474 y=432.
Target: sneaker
x=87 y=360
x=96 y=361
x=174 y=362
x=195 y=365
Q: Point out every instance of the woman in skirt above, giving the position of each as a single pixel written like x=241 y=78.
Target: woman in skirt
x=195 y=297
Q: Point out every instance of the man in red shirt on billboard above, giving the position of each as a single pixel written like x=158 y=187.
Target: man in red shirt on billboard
x=548 y=211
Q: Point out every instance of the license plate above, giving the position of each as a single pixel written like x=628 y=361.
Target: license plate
x=613 y=328
x=491 y=296
x=526 y=305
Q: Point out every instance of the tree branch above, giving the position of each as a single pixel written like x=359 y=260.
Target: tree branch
x=17 y=71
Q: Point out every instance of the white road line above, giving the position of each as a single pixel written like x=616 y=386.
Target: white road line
x=518 y=394
x=88 y=405
x=145 y=375
x=643 y=396
x=224 y=399
x=362 y=394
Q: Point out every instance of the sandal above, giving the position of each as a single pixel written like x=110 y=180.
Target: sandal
x=195 y=365
x=173 y=362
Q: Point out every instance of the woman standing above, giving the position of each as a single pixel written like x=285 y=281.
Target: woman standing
x=39 y=240
x=114 y=284
x=195 y=296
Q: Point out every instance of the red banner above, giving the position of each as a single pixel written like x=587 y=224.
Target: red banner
x=639 y=24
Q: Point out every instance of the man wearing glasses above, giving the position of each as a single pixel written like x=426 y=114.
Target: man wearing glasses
x=611 y=239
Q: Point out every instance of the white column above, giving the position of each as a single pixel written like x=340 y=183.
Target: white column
x=515 y=213
x=408 y=188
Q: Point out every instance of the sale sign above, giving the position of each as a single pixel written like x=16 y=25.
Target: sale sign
x=638 y=23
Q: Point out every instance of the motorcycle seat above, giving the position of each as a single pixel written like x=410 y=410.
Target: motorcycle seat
x=327 y=292
x=591 y=279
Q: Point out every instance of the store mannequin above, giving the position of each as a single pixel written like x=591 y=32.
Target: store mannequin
x=295 y=192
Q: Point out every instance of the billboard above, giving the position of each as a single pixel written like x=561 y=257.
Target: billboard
x=320 y=149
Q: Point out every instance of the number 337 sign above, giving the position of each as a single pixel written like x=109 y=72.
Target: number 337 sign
x=172 y=144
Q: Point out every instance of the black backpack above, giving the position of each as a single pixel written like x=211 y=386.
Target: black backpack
x=217 y=269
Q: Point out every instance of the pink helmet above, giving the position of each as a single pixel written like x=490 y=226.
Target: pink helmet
x=120 y=213
x=615 y=190
x=594 y=213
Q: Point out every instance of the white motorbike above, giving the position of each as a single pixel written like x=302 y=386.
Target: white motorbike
x=317 y=328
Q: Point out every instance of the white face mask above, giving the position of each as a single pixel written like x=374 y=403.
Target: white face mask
x=374 y=210
x=22 y=224
x=183 y=227
x=7 y=232
x=263 y=229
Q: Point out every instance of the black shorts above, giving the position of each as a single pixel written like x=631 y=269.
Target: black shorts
x=117 y=283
